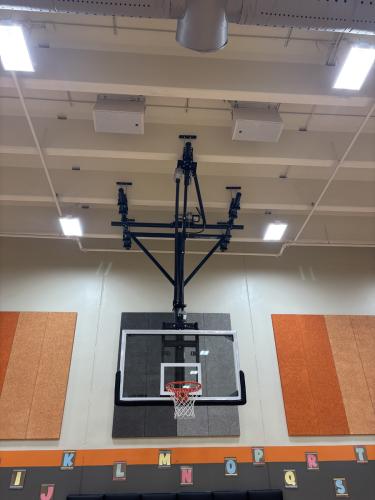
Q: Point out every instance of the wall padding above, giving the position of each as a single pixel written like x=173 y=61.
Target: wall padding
x=8 y=324
x=18 y=389
x=327 y=373
x=353 y=383
x=298 y=396
x=49 y=396
x=364 y=332
x=33 y=394
x=328 y=403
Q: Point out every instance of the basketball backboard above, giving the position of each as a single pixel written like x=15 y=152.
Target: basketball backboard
x=149 y=359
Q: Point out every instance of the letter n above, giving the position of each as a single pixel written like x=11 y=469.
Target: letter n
x=186 y=475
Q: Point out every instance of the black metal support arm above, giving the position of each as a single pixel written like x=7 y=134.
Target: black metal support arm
x=171 y=236
x=171 y=225
x=184 y=223
x=202 y=262
x=152 y=258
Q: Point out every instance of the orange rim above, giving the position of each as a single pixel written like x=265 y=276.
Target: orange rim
x=181 y=394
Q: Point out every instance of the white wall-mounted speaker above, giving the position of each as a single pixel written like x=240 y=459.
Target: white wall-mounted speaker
x=256 y=124
x=119 y=116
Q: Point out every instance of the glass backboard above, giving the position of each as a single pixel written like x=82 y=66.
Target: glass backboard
x=149 y=359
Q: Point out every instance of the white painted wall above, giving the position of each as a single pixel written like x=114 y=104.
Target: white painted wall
x=44 y=275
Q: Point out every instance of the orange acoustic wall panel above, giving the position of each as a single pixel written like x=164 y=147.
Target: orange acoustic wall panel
x=353 y=383
x=313 y=374
x=338 y=357
x=294 y=375
x=49 y=395
x=8 y=324
x=364 y=333
x=328 y=402
x=19 y=383
x=33 y=393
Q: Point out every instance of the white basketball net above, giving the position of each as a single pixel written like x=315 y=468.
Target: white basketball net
x=184 y=396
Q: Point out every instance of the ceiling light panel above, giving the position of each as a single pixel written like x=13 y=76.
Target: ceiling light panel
x=13 y=49
x=71 y=226
x=275 y=231
x=355 y=69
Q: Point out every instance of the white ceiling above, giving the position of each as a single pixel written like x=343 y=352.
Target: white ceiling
x=78 y=57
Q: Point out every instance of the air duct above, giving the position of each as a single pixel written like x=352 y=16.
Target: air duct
x=203 y=24
x=203 y=27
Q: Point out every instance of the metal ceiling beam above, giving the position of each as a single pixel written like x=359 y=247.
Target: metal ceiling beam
x=43 y=23
x=77 y=139
x=333 y=244
x=102 y=72
x=39 y=200
x=355 y=16
x=190 y=107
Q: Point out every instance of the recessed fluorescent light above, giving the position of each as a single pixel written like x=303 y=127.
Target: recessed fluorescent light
x=204 y=353
x=13 y=49
x=193 y=372
x=275 y=231
x=356 y=68
x=71 y=226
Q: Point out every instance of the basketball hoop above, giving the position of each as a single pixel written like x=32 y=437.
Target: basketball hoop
x=184 y=395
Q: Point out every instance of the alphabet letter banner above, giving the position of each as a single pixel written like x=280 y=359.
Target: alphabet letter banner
x=165 y=459
x=290 y=478
x=230 y=465
x=186 y=475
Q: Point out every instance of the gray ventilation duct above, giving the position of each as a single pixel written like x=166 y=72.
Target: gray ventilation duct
x=202 y=24
x=203 y=27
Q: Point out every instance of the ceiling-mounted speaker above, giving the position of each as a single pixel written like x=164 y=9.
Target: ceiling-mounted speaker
x=204 y=26
x=117 y=115
x=256 y=124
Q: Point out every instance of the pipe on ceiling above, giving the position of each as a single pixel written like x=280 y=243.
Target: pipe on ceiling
x=339 y=164
x=332 y=244
x=203 y=25
x=37 y=143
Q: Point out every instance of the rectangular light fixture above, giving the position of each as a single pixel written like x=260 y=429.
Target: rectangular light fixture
x=355 y=69
x=275 y=231
x=71 y=226
x=204 y=353
x=13 y=49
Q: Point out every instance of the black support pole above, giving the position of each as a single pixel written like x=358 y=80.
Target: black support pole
x=199 y=196
x=176 y=226
x=179 y=305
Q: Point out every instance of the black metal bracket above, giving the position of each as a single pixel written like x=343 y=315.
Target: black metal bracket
x=183 y=224
x=187 y=137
